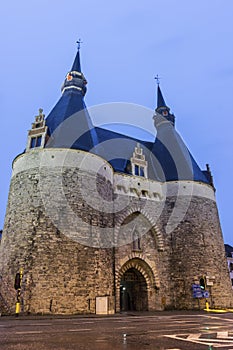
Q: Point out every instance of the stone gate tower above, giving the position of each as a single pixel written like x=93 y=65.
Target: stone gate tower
x=101 y=222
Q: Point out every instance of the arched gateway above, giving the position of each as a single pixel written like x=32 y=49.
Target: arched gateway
x=133 y=291
x=101 y=222
x=136 y=286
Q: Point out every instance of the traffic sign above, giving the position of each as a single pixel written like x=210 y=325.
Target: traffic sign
x=205 y=294
x=198 y=292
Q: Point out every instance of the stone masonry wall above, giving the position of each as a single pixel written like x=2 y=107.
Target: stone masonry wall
x=196 y=250
x=61 y=275
x=69 y=225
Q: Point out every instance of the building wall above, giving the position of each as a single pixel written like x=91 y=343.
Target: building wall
x=230 y=268
x=60 y=274
x=70 y=222
x=187 y=245
x=197 y=250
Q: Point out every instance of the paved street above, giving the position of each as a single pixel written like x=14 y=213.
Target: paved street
x=162 y=331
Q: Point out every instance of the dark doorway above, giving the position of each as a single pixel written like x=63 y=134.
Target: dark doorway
x=133 y=291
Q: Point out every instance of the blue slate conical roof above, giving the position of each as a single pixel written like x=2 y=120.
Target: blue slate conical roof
x=162 y=108
x=174 y=159
x=69 y=123
x=76 y=65
x=160 y=99
x=70 y=126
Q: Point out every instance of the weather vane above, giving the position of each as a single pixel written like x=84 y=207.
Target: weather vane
x=157 y=79
x=79 y=42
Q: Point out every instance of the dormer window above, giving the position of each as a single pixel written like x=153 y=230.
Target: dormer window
x=38 y=132
x=36 y=141
x=139 y=170
x=138 y=162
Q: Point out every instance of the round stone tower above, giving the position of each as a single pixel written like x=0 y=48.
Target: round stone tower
x=100 y=222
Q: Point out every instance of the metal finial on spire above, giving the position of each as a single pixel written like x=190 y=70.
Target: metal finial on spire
x=157 y=79
x=79 y=42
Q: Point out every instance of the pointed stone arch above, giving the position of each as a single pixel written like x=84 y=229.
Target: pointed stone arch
x=143 y=265
x=139 y=265
x=154 y=228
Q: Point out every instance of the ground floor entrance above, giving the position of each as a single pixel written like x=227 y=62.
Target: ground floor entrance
x=133 y=291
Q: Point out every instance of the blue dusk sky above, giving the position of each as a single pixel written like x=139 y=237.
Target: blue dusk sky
x=125 y=44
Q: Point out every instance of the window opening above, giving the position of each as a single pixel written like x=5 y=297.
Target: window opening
x=136 y=240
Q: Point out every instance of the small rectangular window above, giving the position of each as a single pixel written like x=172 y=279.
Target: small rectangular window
x=142 y=171
x=157 y=195
x=37 y=125
x=144 y=193
x=38 y=141
x=33 y=142
x=133 y=191
x=136 y=170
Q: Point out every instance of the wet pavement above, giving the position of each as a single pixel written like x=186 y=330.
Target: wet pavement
x=162 y=331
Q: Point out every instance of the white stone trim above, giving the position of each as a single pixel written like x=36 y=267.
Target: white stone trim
x=33 y=159
x=71 y=87
x=54 y=157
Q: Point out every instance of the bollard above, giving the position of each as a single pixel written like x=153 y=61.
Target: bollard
x=17 y=309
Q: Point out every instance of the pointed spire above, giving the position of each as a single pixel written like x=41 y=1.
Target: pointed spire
x=162 y=110
x=69 y=119
x=160 y=99
x=76 y=65
x=75 y=80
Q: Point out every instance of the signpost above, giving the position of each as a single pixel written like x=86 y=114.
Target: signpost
x=198 y=292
